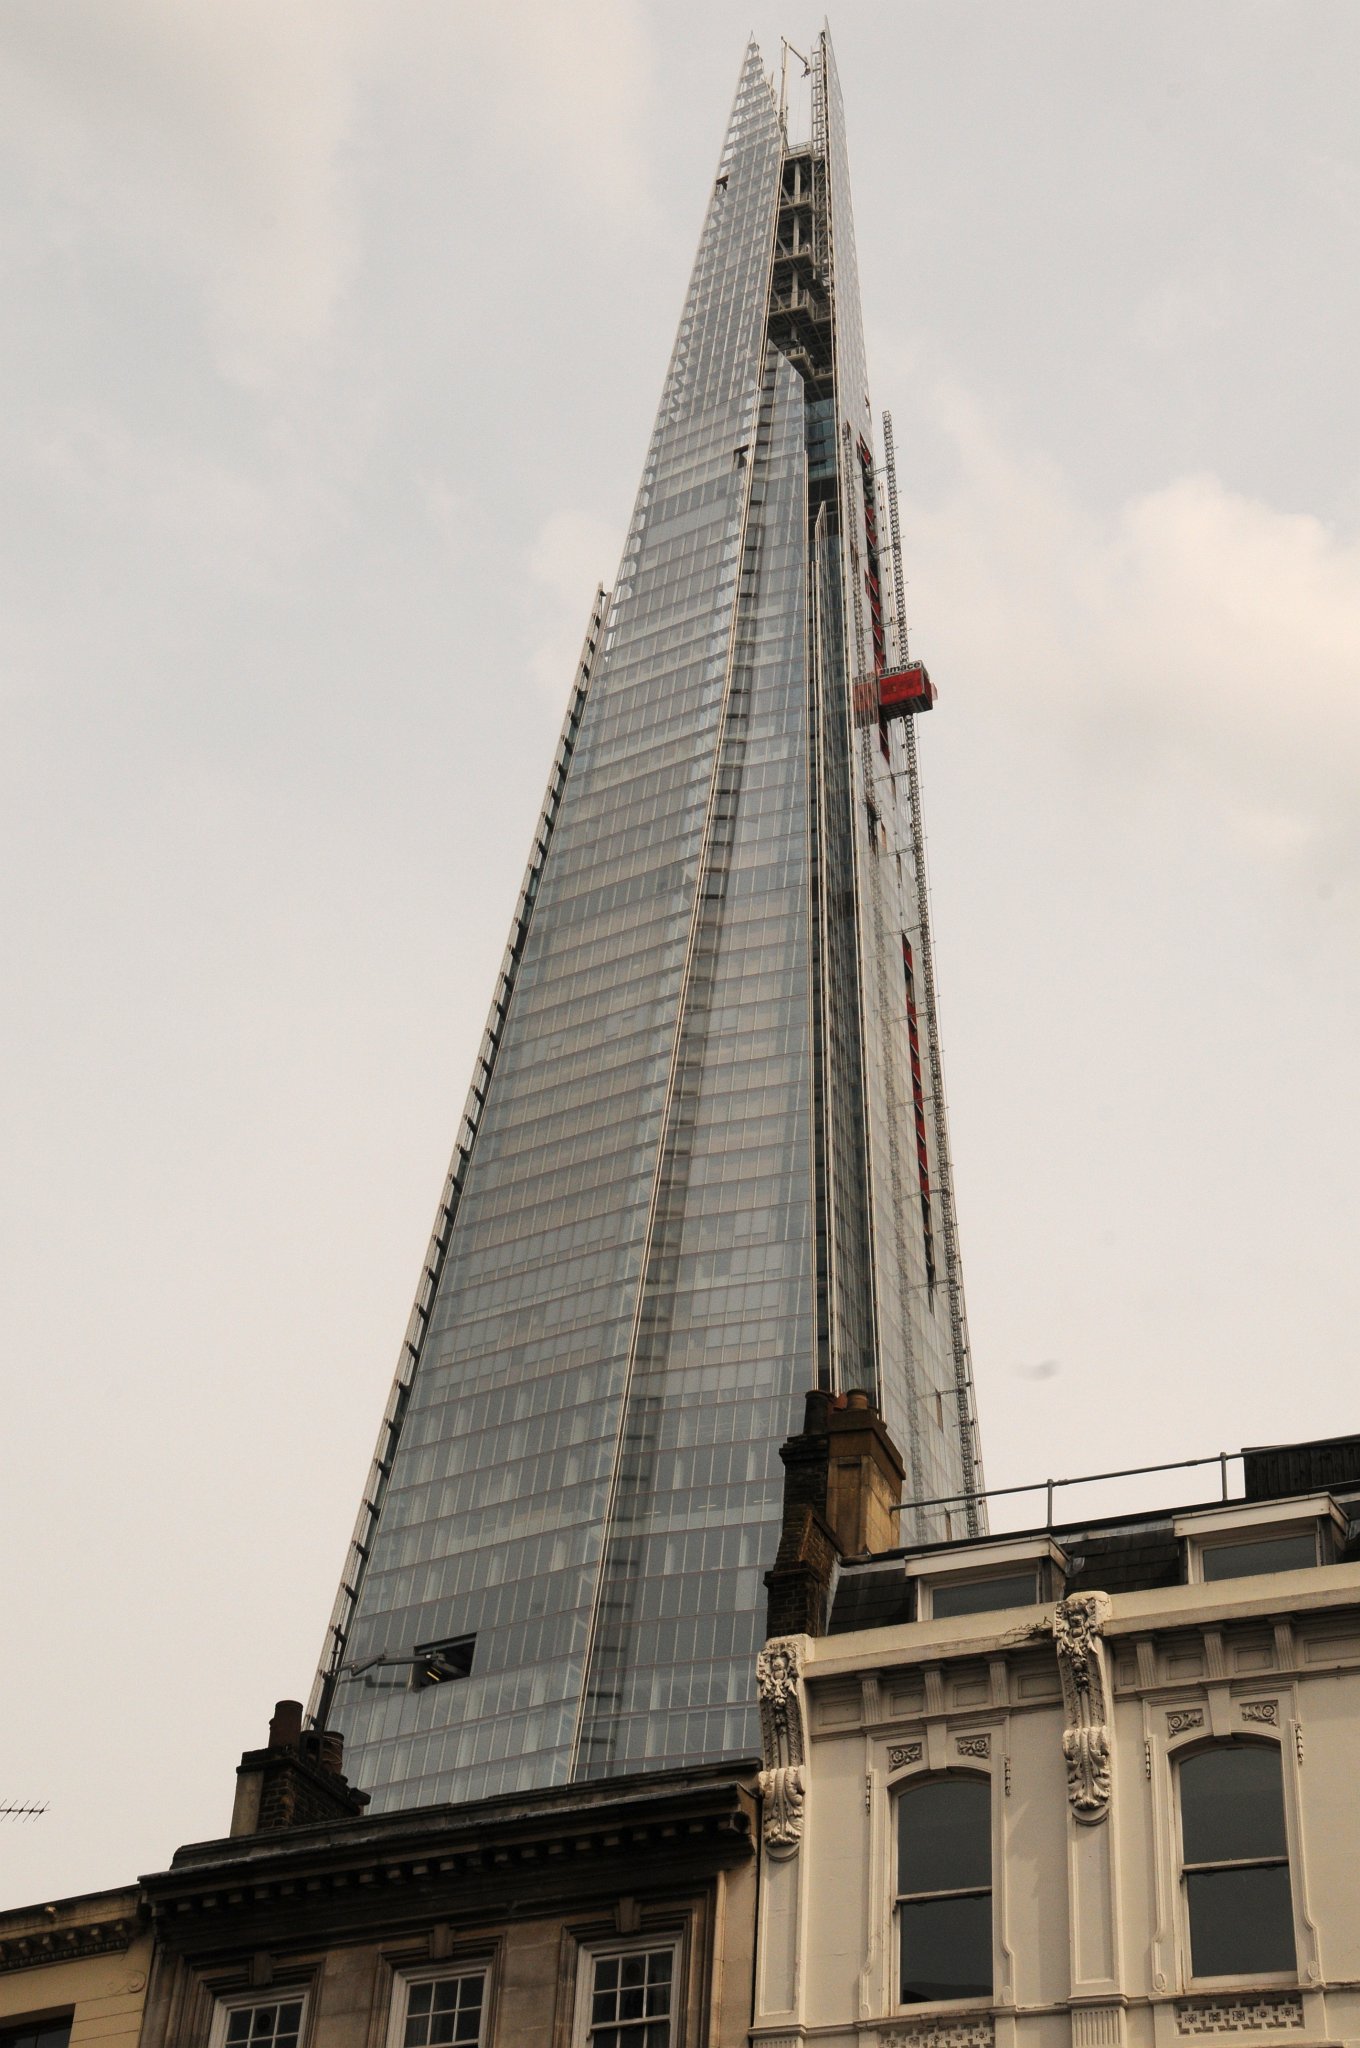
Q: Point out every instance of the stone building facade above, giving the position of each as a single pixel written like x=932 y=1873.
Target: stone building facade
x=601 y=1916
x=73 y=1972
x=1094 y=1785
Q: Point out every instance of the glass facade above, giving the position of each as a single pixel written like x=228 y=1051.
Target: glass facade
x=680 y=1196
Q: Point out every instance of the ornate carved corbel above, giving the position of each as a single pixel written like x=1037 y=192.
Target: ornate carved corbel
x=1077 y=1623
x=781 y=1738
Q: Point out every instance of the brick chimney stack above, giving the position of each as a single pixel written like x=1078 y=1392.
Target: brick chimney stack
x=842 y=1478
x=297 y=1778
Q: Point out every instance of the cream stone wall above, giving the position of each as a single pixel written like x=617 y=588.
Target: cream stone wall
x=1089 y=1942
x=89 y=1957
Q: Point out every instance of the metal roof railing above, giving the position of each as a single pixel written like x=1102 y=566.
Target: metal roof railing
x=1048 y=1487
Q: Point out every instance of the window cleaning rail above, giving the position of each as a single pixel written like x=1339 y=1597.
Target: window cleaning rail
x=1048 y=1487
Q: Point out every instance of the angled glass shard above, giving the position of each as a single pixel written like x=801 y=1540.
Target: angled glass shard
x=703 y=1165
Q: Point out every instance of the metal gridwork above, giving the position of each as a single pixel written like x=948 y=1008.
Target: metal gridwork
x=671 y=1209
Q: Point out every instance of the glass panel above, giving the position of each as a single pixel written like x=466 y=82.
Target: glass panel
x=1232 y=1804
x=1263 y=1554
x=946 y=1948
x=1241 y=1921
x=978 y=1596
x=588 y=1476
x=944 y=1836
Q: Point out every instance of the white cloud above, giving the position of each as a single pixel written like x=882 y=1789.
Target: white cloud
x=1195 y=631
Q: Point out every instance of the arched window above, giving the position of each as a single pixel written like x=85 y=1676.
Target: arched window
x=944 y=1889
x=1235 y=1861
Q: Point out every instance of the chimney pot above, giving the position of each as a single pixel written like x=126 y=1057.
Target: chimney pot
x=285 y=1728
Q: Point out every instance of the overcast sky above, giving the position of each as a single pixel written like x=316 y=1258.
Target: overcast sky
x=331 y=334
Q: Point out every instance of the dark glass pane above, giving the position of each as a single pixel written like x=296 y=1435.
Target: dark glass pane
x=630 y=2002
x=606 y=1973
x=238 y=2026
x=290 y=2016
x=420 y=1998
x=1265 y=1554
x=944 y=1836
x=658 y=2034
x=634 y=1970
x=1241 y=1921
x=441 y=2029
x=1232 y=1804
x=602 y=2007
x=660 y=1961
x=946 y=1948
x=978 y=1596
x=50 y=2034
x=417 y=2032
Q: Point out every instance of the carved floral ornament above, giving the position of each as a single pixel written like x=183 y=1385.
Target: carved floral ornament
x=939 y=2033
x=781 y=1740
x=1077 y=1625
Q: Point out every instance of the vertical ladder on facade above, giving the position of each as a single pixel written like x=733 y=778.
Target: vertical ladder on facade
x=413 y=1345
x=958 y=1321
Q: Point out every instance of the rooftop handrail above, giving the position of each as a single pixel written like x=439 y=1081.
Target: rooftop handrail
x=1048 y=1487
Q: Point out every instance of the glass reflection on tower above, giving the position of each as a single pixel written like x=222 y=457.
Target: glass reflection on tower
x=697 y=1168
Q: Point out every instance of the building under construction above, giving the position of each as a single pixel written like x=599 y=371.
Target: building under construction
x=704 y=1162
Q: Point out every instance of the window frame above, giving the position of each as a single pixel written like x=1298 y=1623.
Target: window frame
x=1215 y=1528
x=225 y=2003
x=903 y=1787
x=974 y=1563
x=601 y=1948
x=405 y=1976
x=1188 y=1754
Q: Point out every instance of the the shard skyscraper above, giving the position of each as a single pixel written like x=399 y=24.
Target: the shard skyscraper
x=703 y=1164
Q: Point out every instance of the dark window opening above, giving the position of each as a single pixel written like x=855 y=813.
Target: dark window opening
x=944 y=1889
x=437 y=1663
x=37 y=2034
x=1235 y=1861
x=979 y=1596
x=1283 y=1553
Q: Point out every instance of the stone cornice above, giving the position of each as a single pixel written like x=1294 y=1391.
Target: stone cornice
x=60 y=1943
x=411 y=1864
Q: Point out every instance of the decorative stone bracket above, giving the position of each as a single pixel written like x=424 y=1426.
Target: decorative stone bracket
x=1077 y=1623
x=781 y=1739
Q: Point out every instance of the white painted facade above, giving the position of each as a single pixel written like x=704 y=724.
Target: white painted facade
x=1089 y=1920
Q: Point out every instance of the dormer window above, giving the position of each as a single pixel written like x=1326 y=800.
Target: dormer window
x=1290 y=1550
x=1242 y=1542
x=986 y=1578
x=980 y=1596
